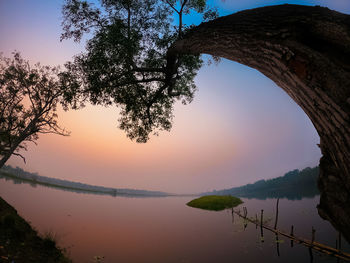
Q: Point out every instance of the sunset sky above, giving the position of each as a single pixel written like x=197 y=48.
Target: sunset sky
x=240 y=127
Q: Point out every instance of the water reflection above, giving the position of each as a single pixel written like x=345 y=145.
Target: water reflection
x=63 y=185
x=292 y=194
x=295 y=193
x=310 y=244
x=165 y=229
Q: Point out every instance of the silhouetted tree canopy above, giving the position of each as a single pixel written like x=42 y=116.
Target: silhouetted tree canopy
x=126 y=62
x=295 y=184
x=28 y=99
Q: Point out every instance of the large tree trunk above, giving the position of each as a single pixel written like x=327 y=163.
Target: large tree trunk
x=305 y=51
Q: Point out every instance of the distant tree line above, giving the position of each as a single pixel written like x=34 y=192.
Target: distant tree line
x=18 y=176
x=295 y=184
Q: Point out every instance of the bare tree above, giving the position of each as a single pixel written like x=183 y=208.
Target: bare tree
x=28 y=103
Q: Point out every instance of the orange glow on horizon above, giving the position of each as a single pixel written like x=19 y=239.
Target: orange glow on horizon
x=240 y=127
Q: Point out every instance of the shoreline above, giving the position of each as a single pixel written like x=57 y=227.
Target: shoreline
x=20 y=243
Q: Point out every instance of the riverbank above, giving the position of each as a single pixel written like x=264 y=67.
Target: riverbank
x=19 y=242
x=17 y=174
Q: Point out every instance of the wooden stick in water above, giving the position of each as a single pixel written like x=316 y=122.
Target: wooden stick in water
x=276 y=213
x=261 y=225
x=308 y=243
x=277 y=245
x=313 y=234
x=311 y=255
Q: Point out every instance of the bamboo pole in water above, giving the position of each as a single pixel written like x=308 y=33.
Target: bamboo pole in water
x=276 y=213
x=311 y=255
x=261 y=225
x=277 y=245
x=308 y=243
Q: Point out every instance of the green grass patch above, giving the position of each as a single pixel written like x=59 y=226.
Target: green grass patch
x=215 y=202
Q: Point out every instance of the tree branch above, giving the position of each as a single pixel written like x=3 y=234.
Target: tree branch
x=172 y=6
x=20 y=155
x=151 y=70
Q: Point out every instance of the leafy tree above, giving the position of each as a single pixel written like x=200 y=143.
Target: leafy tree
x=28 y=101
x=127 y=60
x=295 y=184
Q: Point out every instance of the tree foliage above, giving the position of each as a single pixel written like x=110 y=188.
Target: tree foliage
x=127 y=61
x=294 y=184
x=28 y=101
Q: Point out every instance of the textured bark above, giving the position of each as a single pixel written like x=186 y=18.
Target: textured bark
x=305 y=51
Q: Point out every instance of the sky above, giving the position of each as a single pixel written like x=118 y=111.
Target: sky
x=240 y=128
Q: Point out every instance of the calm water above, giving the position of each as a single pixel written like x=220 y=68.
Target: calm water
x=164 y=229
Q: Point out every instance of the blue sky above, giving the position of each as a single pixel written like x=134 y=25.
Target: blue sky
x=240 y=127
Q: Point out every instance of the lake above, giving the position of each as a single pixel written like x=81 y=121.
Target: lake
x=164 y=229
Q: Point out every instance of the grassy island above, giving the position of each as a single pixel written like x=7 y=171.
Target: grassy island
x=215 y=202
x=20 y=243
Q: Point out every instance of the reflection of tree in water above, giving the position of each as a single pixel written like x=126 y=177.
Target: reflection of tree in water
x=294 y=185
x=16 y=180
x=298 y=195
x=19 y=176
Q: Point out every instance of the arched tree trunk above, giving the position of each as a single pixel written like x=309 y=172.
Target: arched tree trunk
x=305 y=51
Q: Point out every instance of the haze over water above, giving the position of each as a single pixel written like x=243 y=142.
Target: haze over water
x=240 y=127
x=164 y=229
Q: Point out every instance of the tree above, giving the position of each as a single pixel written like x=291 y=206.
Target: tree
x=303 y=49
x=28 y=102
x=126 y=61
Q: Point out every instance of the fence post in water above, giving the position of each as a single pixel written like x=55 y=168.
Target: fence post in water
x=313 y=234
x=256 y=221
x=292 y=234
x=278 y=245
x=276 y=213
x=261 y=225
x=311 y=256
x=245 y=212
x=339 y=238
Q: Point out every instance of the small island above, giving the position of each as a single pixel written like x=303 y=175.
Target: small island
x=215 y=202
